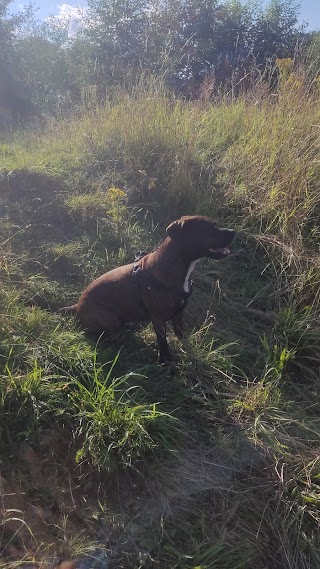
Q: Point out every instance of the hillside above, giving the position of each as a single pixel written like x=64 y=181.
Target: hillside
x=214 y=464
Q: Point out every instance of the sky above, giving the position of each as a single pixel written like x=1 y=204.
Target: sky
x=310 y=9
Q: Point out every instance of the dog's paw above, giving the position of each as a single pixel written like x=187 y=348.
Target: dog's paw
x=165 y=358
x=169 y=367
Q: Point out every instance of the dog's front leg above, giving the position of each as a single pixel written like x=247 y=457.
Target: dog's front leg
x=177 y=323
x=160 y=329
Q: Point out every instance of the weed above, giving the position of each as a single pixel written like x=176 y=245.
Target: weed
x=113 y=423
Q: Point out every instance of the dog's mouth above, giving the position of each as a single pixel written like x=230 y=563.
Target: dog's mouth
x=218 y=253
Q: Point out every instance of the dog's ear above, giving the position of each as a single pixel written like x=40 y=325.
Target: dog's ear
x=175 y=228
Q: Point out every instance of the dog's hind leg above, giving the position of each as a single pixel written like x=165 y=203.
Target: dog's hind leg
x=161 y=332
x=100 y=321
x=177 y=323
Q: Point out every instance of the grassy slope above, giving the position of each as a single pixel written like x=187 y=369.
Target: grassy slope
x=225 y=452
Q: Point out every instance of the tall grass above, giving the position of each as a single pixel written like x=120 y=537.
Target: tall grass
x=227 y=447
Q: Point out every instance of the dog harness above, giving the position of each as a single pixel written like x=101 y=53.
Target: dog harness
x=141 y=278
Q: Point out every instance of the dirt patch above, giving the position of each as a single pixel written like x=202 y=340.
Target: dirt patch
x=42 y=509
x=49 y=514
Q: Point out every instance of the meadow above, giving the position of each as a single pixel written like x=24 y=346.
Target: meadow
x=217 y=464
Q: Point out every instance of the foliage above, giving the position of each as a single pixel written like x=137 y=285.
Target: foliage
x=188 y=41
x=14 y=103
x=197 y=45
x=8 y=26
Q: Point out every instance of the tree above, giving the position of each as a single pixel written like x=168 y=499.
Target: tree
x=212 y=40
x=276 y=31
x=118 y=30
x=9 y=26
x=14 y=99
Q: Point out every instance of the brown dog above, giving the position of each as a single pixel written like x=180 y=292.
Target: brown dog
x=156 y=287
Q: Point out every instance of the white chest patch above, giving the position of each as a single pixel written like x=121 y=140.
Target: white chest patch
x=186 y=284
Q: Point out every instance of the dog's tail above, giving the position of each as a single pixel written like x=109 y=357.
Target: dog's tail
x=68 y=309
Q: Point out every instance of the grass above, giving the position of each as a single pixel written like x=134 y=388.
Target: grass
x=216 y=465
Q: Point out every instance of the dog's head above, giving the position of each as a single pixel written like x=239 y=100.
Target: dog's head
x=201 y=237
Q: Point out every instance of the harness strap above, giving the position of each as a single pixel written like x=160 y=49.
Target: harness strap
x=141 y=277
